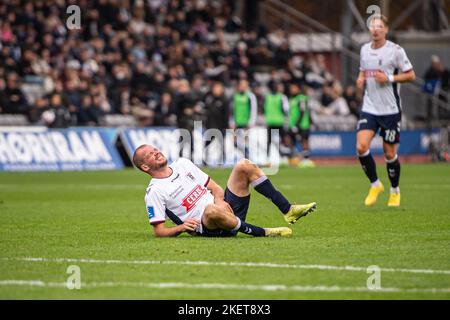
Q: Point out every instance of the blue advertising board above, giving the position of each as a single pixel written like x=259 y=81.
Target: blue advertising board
x=322 y=144
x=166 y=139
x=344 y=143
x=41 y=149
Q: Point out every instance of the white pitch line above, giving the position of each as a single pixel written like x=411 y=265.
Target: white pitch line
x=226 y=264
x=221 y=286
x=75 y=186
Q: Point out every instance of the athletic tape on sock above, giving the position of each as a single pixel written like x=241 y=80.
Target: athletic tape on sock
x=393 y=159
x=258 y=181
x=365 y=154
x=238 y=225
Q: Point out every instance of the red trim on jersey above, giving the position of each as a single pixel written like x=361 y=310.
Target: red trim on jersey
x=153 y=223
x=408 y=70
x=207 y=181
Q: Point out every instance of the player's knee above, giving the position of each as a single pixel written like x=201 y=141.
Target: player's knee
x=244 y=165
x=362 y=148
x=214 y=212
x=390 y=155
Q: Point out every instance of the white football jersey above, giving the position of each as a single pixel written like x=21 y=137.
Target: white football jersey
x=383 y=99
x=180 y=196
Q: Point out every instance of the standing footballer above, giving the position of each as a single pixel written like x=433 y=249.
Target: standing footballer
x=383 y=66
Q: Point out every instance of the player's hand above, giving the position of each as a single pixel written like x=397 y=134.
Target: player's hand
x=190 y=225
x=360 y=82
x=381 y=77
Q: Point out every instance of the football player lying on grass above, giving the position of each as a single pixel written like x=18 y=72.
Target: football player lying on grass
x=199 y=206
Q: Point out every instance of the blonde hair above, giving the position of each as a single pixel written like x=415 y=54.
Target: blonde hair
x=380 y=17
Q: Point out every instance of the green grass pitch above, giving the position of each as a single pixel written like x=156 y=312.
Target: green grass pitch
x=98 y=219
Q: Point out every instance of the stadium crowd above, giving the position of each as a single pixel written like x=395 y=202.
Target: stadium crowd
x=166 y=62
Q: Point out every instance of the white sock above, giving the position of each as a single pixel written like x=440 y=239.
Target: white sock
x=376 y=183
x=395 y=190
x=236 y=228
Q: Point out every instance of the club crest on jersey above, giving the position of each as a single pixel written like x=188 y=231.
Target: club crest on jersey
x=190 y=176
x=151 y=212
x=191 y=199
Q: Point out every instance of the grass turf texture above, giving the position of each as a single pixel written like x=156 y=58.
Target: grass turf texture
x=101 y=215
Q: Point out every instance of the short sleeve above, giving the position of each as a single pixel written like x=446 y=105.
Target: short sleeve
x=156 y=206
x=361 y=59
x=403 y=63
x=198 y=174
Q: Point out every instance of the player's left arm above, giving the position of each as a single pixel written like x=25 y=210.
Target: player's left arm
x=218 y=194
x=405 y=67
x=405 y=76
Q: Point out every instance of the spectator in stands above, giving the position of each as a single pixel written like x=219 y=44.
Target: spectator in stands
x=87 y=114
x=438 y=76
x=261 y=54
x=217 y=112
x=164 y=112
x=217 y=108
x=2 y=95
x=186 y=106
x=15 y=101
x=198 y=88
x=57 y=115
x=35 y=114
x=316 y=72
x=131 y=53
x=327 y=95
x=337 y=105
x=436 y=69
x=354 y=100
x=283 y=54
x=72 y=96
x=294 y=69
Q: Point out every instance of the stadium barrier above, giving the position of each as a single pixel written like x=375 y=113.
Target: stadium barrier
x=212 y=147
x=338 y=143
x=42 y=149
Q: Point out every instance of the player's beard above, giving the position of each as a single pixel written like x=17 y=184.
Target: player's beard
x=160 y=165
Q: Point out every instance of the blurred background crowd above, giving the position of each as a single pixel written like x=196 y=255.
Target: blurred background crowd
x=163 y=62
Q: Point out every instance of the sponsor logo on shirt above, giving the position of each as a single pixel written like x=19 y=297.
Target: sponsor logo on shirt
x=176 y=192
x=191 y=199
x=370 y=73
x=151 y=212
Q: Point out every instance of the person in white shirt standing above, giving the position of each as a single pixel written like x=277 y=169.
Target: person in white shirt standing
x=383 y=66
x=197 y=205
